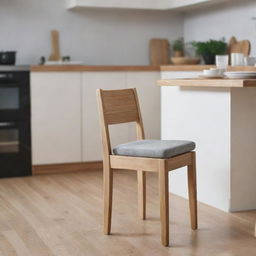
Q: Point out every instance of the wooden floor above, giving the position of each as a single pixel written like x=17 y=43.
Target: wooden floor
x=62 y=215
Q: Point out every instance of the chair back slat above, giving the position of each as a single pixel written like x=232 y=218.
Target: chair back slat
x=119 y=106
x=116 y=107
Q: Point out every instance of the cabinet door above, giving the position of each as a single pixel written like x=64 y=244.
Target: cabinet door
x=56 y=117
x=92 y=146
x=149 y=98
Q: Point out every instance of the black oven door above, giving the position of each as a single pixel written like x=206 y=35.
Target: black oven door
x=15 y=149
x=14 y=96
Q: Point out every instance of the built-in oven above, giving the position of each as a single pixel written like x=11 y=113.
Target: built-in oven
x=15 y=130
x=15 y=149
x=14 y=96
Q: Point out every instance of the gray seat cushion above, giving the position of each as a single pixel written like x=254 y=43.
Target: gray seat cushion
x=154 y=148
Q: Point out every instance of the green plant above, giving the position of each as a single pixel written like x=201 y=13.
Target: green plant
x=178 y=45
x=211 y=47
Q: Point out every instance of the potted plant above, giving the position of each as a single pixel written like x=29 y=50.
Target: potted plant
x=209 y=49
x=178 y=47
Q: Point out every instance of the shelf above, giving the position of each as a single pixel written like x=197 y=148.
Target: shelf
x=141 y=4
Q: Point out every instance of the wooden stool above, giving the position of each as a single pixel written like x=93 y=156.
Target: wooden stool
x=162 y=156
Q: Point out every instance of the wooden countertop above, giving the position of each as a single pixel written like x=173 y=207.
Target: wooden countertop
x=193 y=82
x=202 y=67
x=79 y=68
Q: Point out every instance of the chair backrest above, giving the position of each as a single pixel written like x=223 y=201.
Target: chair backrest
x=115 y=107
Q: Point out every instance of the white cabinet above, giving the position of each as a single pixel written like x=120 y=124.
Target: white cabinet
x=65 y=122
x=141 y=4
x=124 y=4
x=149 y=96
x=92 y=149
x=56 y=117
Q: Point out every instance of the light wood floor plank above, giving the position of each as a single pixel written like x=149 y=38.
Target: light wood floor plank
x=6 y=247
x=61 y=215
x=17 y=243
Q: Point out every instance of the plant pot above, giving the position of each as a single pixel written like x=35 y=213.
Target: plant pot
x=178 y=54
x=209 y=59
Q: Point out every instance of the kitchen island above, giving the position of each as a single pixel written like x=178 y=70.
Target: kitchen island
x=219 y=115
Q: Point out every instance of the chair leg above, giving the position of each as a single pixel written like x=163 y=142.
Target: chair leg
x=107 y=197
x=164 y=203
x=192 y=192
x=141 y=179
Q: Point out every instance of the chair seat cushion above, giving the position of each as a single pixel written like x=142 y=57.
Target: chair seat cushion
x=154 y=148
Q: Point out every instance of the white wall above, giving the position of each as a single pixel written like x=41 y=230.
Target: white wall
x=96 y=36
x=114 y=37
x=226 y=19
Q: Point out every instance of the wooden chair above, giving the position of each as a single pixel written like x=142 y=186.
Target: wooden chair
x=122 y=106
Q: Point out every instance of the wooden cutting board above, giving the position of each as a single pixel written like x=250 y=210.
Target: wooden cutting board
x=159 y=52
x=55 y=55
x=243 y=46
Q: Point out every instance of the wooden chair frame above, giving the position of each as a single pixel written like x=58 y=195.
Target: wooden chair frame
x=122 y=106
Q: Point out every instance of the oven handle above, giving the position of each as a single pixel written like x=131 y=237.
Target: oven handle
x=6 y=124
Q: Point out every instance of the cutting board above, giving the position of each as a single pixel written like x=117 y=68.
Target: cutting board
x=55 y=55
x=243 y=46
x=159 y=52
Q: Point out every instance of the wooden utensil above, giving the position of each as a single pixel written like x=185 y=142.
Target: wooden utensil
x=185 y=61
x=55 y=55
x=243 y=46
x=159 y=52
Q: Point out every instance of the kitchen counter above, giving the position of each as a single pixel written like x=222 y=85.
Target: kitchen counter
x=81 y=68
x=77 y=68
x=219 y=115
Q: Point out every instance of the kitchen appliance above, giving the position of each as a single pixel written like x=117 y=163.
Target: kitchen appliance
x=15 y=131
x=7 y=58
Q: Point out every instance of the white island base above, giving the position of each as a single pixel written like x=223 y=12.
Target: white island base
x=222 y=122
